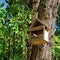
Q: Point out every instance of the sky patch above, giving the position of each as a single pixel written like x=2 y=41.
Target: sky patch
x=5 y=4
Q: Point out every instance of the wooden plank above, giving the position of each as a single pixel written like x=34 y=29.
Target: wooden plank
x=36 y=28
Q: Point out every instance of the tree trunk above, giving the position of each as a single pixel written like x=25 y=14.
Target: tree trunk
x=47 y=13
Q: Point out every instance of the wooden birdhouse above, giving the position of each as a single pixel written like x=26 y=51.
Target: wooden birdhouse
x=38 y=33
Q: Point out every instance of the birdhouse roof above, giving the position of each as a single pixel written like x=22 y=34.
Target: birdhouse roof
x=36 y=25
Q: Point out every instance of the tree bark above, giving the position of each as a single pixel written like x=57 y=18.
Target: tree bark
x=47 y=13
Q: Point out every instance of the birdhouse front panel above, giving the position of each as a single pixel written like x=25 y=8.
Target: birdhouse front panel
x=37 y=37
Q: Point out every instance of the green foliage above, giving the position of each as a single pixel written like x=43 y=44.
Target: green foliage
x=14 y=22
x=56 y=48
x=1 y=5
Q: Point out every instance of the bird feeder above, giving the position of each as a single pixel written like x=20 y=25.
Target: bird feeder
x=38 y=33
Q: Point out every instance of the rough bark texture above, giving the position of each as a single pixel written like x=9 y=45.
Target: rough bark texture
x=47 y=13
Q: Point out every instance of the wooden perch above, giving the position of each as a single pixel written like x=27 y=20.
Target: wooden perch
x=35 y=35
